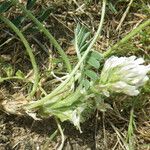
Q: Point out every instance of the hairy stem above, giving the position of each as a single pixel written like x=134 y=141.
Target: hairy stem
x=53 y=93
x=62 y=134
x=29 y=51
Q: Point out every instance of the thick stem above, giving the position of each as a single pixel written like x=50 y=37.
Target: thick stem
x=68 y=101
x=29 y=51
x=46 y=32
x=111 y=50
x=53 y=93
x=62 y=134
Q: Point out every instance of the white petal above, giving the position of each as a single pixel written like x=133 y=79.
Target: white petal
x=108 y=62
x=118 y=61
x=131 y=58
x=139 y=61
x=119 y=85
x=132 y=92
x=127 y=67
x=142 y=81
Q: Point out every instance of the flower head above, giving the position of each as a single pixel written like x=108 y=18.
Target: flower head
x=123 y=74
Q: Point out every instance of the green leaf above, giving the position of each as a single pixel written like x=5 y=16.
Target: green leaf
x=81 y=36
x=84 y=38
x=93 y=62
x=69 y=100
x=86 y=84
x=8 y=69
x=96 y=55
x=1 y=79
x=30 y=4
x=20 y=74
x=5 y=6
x=91 y=74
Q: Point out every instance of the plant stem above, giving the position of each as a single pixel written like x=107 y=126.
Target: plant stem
x=53 y=93
x=29 y=51
x=46 y=32
x=10 y=78
x=69 y=100
x=130 y=133
x=62 y=134
x=111 y=50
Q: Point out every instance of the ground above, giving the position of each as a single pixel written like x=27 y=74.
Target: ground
x=125 y=126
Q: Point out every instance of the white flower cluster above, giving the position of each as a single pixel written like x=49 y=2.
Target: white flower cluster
x=123 y=74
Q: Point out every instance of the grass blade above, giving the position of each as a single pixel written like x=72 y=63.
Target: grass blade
x=29 y=51
x=46 y=32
